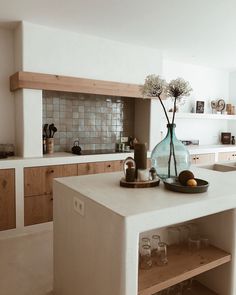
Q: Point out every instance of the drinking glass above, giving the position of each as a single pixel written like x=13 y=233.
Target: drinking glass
x=204 y=242
x=194 y=244
x=155 y=241
x=145 y=241
x=162 y=254
x=188 y=287
x=173 y=235
x=184 y=234
x=145 y=257
x=193 y=229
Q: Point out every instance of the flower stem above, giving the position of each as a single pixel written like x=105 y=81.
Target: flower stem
x=174 y=111
x=168 y=121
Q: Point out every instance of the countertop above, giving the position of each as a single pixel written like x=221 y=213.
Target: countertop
x=106 y=191
x=60 y=158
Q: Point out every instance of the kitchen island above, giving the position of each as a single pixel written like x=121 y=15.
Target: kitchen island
x=97 y=225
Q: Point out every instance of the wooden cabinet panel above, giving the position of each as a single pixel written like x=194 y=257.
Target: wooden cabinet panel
x=38 y=209
x=7 y=199
x=118 y=165
x=227 y=156
x=39 y=180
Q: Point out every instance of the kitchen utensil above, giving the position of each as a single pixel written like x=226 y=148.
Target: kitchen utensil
x=54 y=130
x=45 y=130
x=173 y=184
x=50 y=130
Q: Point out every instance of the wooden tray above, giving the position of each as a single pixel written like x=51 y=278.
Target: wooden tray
x=173 y=184
x=139 y=184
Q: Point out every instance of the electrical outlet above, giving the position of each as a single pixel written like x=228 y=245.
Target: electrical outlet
x=78 y=206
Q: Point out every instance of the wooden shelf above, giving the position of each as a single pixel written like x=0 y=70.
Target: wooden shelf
x=29 y=80
x=181 y=266
x=202 y=116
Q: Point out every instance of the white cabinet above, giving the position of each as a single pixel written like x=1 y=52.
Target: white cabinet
x=203 y=159
x=227 y=156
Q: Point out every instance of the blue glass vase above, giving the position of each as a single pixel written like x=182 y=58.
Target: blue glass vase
x=170 y=156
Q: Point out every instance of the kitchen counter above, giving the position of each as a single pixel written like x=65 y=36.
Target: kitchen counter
x=59 y=158
x=99 y=232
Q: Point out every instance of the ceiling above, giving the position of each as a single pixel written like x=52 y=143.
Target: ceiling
x=192 y=31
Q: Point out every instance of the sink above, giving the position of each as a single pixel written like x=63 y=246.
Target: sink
x=220 y=167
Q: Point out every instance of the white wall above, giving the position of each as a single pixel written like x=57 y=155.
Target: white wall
x=7 y=108
x=50 y=50
x=55 y=51
x=208 y=84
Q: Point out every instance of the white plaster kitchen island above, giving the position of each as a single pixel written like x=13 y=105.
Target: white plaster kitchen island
x=96 y=250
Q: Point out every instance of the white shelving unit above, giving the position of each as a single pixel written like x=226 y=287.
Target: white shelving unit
x=202 y=116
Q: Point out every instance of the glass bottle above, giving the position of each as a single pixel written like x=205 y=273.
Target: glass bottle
x=170 y=156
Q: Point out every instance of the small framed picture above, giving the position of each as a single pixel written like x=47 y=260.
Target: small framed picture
x=200 y=107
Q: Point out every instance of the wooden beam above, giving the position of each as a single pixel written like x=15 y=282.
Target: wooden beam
x=29 y=80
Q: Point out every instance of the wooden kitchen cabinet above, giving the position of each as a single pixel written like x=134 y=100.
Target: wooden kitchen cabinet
x=38 y=209
x=227 y=156
x=100 y=167
x=203 y=159
x=39 y=180
x=7 y=199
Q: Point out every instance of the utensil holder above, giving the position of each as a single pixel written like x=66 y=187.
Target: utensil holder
x=50 y=145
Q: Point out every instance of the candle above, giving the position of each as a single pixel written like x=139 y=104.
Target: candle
x=140 y=156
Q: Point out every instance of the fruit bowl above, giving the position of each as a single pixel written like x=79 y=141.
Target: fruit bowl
x=174 y=185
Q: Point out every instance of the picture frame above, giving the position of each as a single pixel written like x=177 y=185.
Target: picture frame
x=200 y=107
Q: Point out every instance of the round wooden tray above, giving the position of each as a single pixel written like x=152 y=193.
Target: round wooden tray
x=139 y=184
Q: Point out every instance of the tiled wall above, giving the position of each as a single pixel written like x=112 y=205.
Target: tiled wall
x=97 y=121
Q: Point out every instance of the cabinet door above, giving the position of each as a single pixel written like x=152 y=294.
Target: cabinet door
x=38 y=209
x=7 y=199
x=205 y=159
x=57 y=171
x=39 y=180
x=227 y=156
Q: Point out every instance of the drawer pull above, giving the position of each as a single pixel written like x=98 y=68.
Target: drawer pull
x=109 y=166
x=50 y=171
x=51 y=199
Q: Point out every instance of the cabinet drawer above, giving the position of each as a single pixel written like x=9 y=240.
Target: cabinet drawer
x=39 y=180
x=7 y=199
x=203 y=159
x=227 y=156
x=38 y=209
x=118 y=165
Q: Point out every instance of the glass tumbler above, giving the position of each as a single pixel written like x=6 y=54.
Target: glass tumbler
x=184 y=234
x=193 y=229
x=173 y=235
x=145 y=257
x=194 y=244
x=154 y=245
x=145 y=241
x=162 y=254
x=204 y=242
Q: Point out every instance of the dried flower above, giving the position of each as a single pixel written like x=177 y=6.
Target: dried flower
x=178 y=88
x=154 y=86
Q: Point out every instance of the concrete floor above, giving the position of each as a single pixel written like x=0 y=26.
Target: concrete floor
x=26 y=265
